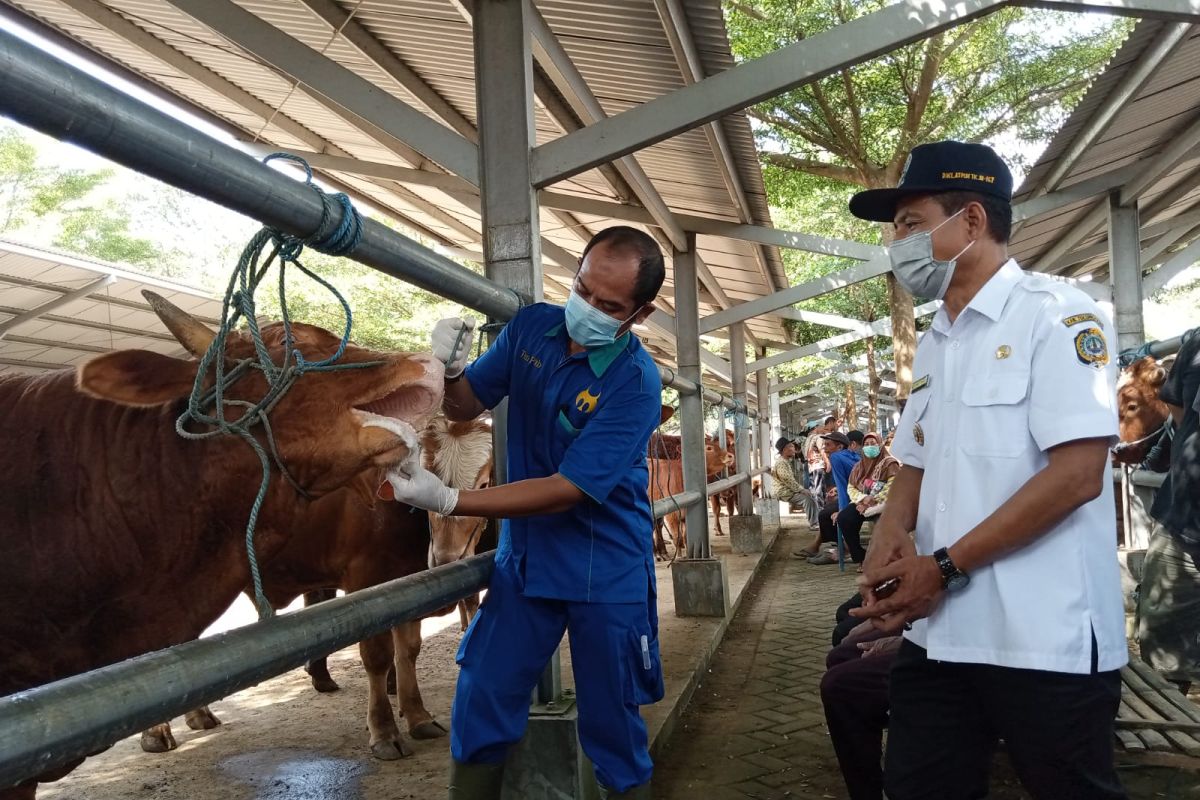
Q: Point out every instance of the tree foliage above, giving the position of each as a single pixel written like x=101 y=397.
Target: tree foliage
x=32 y=189
x=1008 y=79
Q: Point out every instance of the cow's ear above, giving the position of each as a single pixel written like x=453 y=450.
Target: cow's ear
x=137 y=378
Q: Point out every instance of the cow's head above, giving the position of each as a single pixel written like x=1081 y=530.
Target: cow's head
x=716 y=459
x=318 y=424
x=1140 y=411
x=460 y=453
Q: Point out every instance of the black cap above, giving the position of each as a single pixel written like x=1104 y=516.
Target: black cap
x=782 y=443
x=934 y=168
x=838 y=437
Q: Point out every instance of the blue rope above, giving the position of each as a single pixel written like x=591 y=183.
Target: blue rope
x=336 y=235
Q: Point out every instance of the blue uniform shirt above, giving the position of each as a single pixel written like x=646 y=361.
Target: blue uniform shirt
x=842 y=464
x=588 y=416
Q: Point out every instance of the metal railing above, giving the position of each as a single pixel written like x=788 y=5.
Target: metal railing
x=51 y=725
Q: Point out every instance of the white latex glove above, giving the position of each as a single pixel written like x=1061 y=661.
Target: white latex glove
x=445 y=333
x=413 y=484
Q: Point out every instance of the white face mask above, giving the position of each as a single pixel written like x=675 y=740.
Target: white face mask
x=915 y=267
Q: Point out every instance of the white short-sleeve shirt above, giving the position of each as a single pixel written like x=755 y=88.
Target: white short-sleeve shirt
x=1025 y=367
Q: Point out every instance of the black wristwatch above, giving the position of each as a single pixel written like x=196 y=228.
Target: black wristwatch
x=953 y=578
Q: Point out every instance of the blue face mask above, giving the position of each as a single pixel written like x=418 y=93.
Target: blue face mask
x=588 y=325
x=871 y=451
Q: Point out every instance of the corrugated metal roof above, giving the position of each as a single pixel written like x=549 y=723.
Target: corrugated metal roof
x=620 y=48
x=1166 y=104
x=113 y=317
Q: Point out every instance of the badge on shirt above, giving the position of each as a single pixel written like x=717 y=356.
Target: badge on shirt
x=1003 y=352
x=585 y=401
x=1090 y=348
x=1078 y=318
x=918 y=434
x=919 y=384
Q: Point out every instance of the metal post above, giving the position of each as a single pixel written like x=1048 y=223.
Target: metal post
x=511 y=239
x=691 y=407
x=1125 y=268
x=741 y=433
x=765 y=440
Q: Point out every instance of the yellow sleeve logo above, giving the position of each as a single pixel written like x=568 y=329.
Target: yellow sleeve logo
x=585 y=401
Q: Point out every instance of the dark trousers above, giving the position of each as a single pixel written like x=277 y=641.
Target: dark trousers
x=946 y=718
x=854 y=692
x=825 y=520
x=851 y=521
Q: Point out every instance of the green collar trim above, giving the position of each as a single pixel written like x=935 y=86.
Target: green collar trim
x=599 y=358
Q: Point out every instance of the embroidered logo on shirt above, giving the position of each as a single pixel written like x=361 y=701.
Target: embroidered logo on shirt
x=1090 y=347
x=919 y=384
x=532 y=359
x=585 y=401
x=918 y=434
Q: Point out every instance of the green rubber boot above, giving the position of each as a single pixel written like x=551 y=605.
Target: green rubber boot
x=636 y=793
x=476 y=781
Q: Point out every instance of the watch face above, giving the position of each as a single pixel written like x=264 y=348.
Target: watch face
x=957 y=581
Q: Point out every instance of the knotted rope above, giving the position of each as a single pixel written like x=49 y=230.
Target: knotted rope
x=336 y=235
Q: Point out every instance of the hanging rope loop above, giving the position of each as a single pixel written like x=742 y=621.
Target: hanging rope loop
x=207 y=414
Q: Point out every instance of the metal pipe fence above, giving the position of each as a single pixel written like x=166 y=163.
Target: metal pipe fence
x=54 y=724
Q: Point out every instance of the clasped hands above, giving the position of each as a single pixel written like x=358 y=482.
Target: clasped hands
x=918 y=582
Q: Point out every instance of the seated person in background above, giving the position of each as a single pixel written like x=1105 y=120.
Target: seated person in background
x=844 y=451
x=854 y=692
x=783 y=473
x=868 y=487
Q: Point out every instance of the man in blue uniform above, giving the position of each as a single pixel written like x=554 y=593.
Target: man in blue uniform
x=575 y=548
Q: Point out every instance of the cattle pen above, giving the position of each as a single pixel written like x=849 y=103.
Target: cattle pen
x=500 y=173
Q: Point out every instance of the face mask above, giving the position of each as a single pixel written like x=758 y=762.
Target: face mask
x=588 y=325
x=916 y=268
x=871 y=451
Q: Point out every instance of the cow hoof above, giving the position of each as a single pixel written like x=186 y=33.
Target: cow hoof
x=430 y=729
x=201 y=720
x=158 y=741
x=324 y=684
x=391 y=750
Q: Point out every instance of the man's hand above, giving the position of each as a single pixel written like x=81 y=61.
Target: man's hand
x=918 y=593
x=881 y=647
x=417 y=486
x=451 y=340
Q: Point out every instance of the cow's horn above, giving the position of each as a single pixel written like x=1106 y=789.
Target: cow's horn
x=193 y=334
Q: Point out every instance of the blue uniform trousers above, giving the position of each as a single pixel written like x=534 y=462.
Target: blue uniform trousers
x=509 y=643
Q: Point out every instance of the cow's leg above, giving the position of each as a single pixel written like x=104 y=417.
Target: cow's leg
x=467 y=607
x=660 y=544
x=715 y=503
x=421 y=724
x=386 y=742
x=201 y=719
x=318 y=668
x=159 y=739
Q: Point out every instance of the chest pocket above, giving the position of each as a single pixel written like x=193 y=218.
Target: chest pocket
x=995 y=420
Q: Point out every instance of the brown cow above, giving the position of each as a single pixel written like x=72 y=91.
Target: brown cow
x=1140 y=412
x=121 y=537
x=665 y=464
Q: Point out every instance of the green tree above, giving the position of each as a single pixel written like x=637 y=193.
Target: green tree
x=1010 y=76
x=103 y=232
x=30 y=188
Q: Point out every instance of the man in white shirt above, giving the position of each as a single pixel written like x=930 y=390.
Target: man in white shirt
x=1010 y=595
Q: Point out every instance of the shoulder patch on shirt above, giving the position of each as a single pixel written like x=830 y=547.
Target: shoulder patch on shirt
x=1090 y=347
x=1078 y=318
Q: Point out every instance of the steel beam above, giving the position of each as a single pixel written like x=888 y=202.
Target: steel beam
x=741 y=433
x=881 y=327
x=690 y=406
x=818 y=318
x=58 y=302
x=1126 y=270
x=766 y=441
x=1081 y=190
x=796 y=294
x=337 y=83
x=744 y=85
x=1170 y=10
x=1178 y=262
